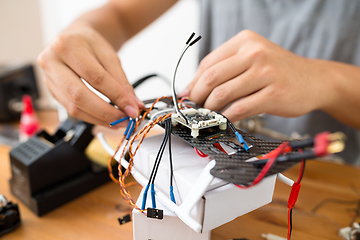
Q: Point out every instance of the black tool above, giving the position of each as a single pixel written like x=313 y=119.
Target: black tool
x=50 y=170
x=9 y=216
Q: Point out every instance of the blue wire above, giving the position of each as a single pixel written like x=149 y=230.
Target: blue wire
x=118 y=121
x=172 y=197
x=132 y=123
x=127 y=128
x=241 y=140
x=144 y=197
x=153 y=196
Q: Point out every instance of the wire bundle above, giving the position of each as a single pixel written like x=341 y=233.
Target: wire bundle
x=322 y=144
x=133 y=124
x=151 y=182
x=130 y=138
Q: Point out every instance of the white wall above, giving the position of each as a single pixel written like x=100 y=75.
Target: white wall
x=27 y=26
x=20 y=34
x=155 y=50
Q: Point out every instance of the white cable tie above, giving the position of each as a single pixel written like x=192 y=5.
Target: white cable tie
x=284 y=179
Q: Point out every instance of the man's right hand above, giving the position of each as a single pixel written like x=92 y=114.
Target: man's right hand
x=81 y=52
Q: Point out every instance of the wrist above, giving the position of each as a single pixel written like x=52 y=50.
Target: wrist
x=326 y=83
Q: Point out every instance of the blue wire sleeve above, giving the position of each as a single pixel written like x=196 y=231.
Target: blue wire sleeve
x=241 y=140
x=172 y=197
x=127 y=128
x=118 y=121
x=153 y=196
x=143 y=205
x=132 y=121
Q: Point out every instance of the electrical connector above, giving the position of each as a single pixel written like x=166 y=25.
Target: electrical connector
x=326 y=143
x=295 y=189
x=242 y=141
x=337 y=142
x=155 y=213
x=125 y=219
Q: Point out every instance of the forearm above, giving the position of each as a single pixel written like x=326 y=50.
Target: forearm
x=342 y=84
x=117 y=21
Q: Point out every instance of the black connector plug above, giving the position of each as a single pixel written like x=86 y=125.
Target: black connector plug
x=191 y=36
x=125 y=219
x=195 y=41
x=155 y=213
x=9 y=216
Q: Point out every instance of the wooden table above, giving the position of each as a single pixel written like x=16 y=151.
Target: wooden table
x=94 y=215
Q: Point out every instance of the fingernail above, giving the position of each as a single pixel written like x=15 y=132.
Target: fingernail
x=184 y=93
x=131 y=111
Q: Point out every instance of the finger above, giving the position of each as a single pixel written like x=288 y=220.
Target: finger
x=253 y=104
x=240 y=86
x=218 y=74
x=108 y=58
x=76 y=96
x=87 y=66
x=63 y=101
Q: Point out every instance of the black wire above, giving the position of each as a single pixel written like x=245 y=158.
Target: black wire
x=174 y=93
x=143 y=79
x=303 y=170
x=230 y=124
x=170 y=154
x=162 y=146
x=290 y=223
x=157 y=163
x=309 y=154
x=138 y=82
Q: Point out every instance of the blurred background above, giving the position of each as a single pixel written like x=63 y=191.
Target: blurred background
x=27 y=26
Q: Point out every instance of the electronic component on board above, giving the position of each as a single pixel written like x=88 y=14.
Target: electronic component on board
x=198 y=119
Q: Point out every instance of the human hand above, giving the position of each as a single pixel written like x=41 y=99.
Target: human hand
x=81 y=52
x=257 y=76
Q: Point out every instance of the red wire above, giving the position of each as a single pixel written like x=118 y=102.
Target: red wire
x=301 y=169
x=267 y=166
x=296 y=183
x=289 y=225
x=200 y=153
